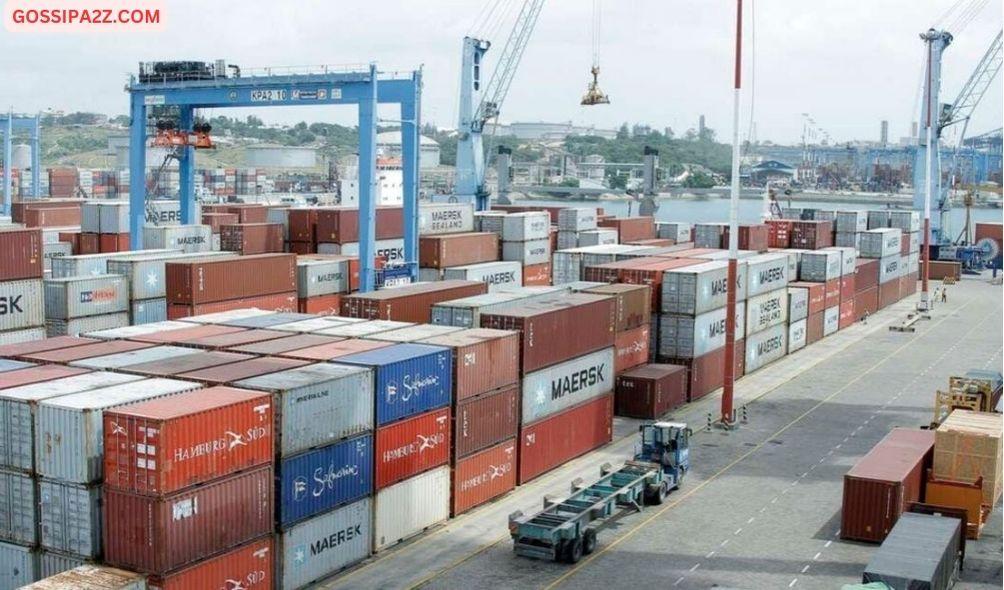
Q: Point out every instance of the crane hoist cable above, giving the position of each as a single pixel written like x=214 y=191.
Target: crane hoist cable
x=594 y=95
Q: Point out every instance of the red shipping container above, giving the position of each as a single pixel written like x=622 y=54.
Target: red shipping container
x=246 y=212
x=302 y=221
x=301 y=247
x=157 y=534
x=888 y=293
x=706 y=373
x=55 y=343
x=52 y=216
x=651 y=273
x=20 y=254
x=553 y=238
x=634 y=304
x=556 y=330
x=812 y=235
x=779 y=233
x=159 y=446
x=196 y=361
x=817 y=295
x=18 y=208
x=610 y=272
x=884 y=483
x=630 y=229
x=321 y=305
x=182 y=335
x=482 y=421
x=907 y=286
x=340 y=225
x=814 y=327
x=631 y=348
x=654 y=242
x=248 y=566
x=86 y=351
x=19 y=377
x=537 y=275
x=224 y=279
x=90 y=243
x=847 y=316
x=411 y=446
x=483 y=476
x=285 y=344
x=752 y=236
x=411 y=303
x=483 y=360
x=252 y=238
x=866 y=274
x=276 y=302
x=234 y=338
x=231 y=372
x=457 y=249
x=832 y=293
x=555 y=440
x=333 y=350
x=847 y=288
x=649 y=391
x=865 y=303
x=904 y=244
x=218 y=220
x=72 y=238
x=113 y=242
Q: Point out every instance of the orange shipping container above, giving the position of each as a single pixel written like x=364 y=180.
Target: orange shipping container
x=276 y=302
x=90 y=243
x=483 y=359
x=411 y=446
x=160 y=446
x=537 y=275
x=847 y=316
x=113 y=242
x=631 y=348
x=457 y=249
x=483 y=476
x=226 y=278
x=321 y=305
x=248 y=566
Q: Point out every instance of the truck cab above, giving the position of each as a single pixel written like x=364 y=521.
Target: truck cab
x=668 y=445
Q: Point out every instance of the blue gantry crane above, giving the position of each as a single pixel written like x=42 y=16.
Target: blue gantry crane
x=205 y=85
x=9 y=125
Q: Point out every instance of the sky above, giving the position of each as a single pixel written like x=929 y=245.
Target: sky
x=847 y=63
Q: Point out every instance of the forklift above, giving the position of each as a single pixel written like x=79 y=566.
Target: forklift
x=566 y=530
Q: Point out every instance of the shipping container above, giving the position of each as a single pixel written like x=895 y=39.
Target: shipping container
x=284 y=344
x=411 y=446
x=286 y=302
x=497 y=275
x=797 y=333
x=888 y=293
x=247 y=566
x=43 y=345
x=483 y=476
x=124 y=359
x=968 y=446
x=890 y=268
x=18 y=508
x=847 y=314
x=766 y=272
x=820 y=267
x=633 y=304
x=145 y=271
x=321 y=479
x=148 y=311
x=188 y=238
x=317 y=404
x=316 y=323
x=51 y=250
x=21 y=255
x=766 y=310
x=865 y=303
x=230 y=278
x=811 y=235
x=816 y=294
x=340 y=225
x=19 y=567
x=686 y=336
x=409 y=379
x=252 y=238
x=706 y=373
x=752 y=236
x=526 y=226
x=157 y=534
x=528 y=253
x=921 y=552
x=631 y=228
x=334 y=350
x=384 y=250
x=650 y=391
x=798 y=303
x=9 y=365
x=69 y=437
x=19 y=336
x=69 y=354
x=831 y=320
x=77 y=297
x=537 y=275
x=445 y=218
x=184 y=334
x=320 y=305
x=75 y=326
x=127 y=332
x=226 y=316
x=700 y=288
x=485 y=420
x=411 y=303
x=883 y=483
x=766 y=346
x=414 y=333
x=36 y=374
x=317 y=277
x=852 y=221
x=324 y=545
x=466 y=311
x=814 y=327
x=97 y=264
x=880 y=243
x=70 y=517
x=576 y=219
x=554 y=441
x=411 y=506
x=51 y=563
x=217 y=341
x=160 y=446
x=556 y=388
x=21 y=304
x=365 y=329
x=457 y=249
x=676 y=231
x=631 y=348
x=847 y=240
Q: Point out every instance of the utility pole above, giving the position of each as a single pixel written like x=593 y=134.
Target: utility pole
x=733 y=272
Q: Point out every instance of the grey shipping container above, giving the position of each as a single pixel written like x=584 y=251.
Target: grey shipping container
x=798 y=303
x=489 y=221
x=51 y=563
x=9 y=365
x=167 y=212
x=318 y=404
x=147 y=311
x=445 y=218
x=21 y=304
x=831 y=320
x=83 y=325
x=69 y=436
x=766 y=310
x=94 y=264
x=921 y=552
x=576 y=219
x=671 y=230
x=312 y=325
x=708 y=235
x=700 y=288
x=133 y=357
x=597 y=237
x=765 y=347
x=88 y=576
x=797 y=335
x=915 y=239
x=279 y=215
x=189 y=238
x=415 y=333
x=318 y=276
x=852 y=221
x=145 y=272
x=466 y=312
x=363 y=329
x=411 y=506
x=907 y=221
x=133 y=331
x=879 y=243
x=820 y=266
x=305 y=553
x=529 y=252
x=567 y=265
x=113 y=218
x=90 y=217
x=52 y=250
x=848 y=259
x=847 y=239
x=19 y=336
x=687 y=336
x=18 y=508
x=767 y=272
x=526 y=227
x=18 y=566
x=70 y=517
x=497 y=275
x=558 y=387
x=226 y=316
x=878 y=219
x=17 y=412
x=890 y=268
x=78 y=297
x=567 y=239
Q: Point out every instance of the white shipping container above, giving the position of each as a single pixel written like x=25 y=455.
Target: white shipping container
x=122 y=360
x=567 y=239
x=318 y=404
x=798 y=303
x=724 y=255
x=69 y=436
x=161 y=212
x=94 y=264
x=17 y=412
x=146 y=311
x=558 y=387
x=879 y=243
x=77 y=297
x=411 y=506
x=466 y=312
x=279 y=215
x=52 y=250
x=133 y=331
x=797 y=335
x=671 y=230
x=847 y=240
x=51 y=234
x=189 y=238
x=686 y=336
x=766 y=310
x=526 y=227
x=70 y=517
x=93 y=577
x=576 y=219
x=848 y=259
x=21 y=304
x=363 y=329
x=766 y=347
x=90 y=217
x=18 y=508
x=114 y=217
x=915 y=239
x=306 y=552
x=890 y=268
x=852 y=221
x=820 y=266
x=392 y=250
x=597 y=237
x=145 y=270
x=91 y=323
x=489 y=221
x=496 y=275
x=317 y=276
x=319 y=323
x=415 y=333
x=907 y=221
x=19 y=336
x=766 y=272
x=831 y=320
x=221 y=317
x=914 y=265
x=700 y=288
x=445 y=218
x=878 y=219
x=18 y=566
x=527 y=253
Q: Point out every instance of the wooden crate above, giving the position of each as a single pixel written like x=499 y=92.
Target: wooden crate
x=967 y=445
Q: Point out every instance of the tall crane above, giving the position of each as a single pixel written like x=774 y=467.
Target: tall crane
x=479 y=105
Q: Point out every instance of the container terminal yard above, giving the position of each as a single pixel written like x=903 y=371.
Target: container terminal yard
x=211 y=378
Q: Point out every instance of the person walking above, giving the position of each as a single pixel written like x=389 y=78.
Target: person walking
x=944 y=295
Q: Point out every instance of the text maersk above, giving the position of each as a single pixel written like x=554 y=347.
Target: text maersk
x=500 y=278
x=576 y=382
x=10 y=304
x=770 y=345
x=450 y=219
x=770 y=275
x=335 y=539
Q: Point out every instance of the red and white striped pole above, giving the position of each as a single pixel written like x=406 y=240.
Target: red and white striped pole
x=730 y=307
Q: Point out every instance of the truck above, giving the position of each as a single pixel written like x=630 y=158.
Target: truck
x=565 y=530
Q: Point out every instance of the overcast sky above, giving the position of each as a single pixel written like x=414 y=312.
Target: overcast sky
x=848 y=63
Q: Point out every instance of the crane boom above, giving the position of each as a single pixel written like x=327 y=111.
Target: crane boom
x=972 y=92
x=505 y=70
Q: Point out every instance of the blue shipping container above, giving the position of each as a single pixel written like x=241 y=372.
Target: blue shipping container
x=9 y=365
x=319 y=480
x=410 y=378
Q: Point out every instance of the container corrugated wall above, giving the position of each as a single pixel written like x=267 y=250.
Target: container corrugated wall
x=686 y=336
x=19 y=336
x=147 y=311
x=766 y=346
x=410 y=446
x=483 y=476
x=409 y=507
x=485 y=420
x=21 y=304
x=566 y=384
x=321 y=546
x=51 y=563
x=483 y=360
x=797 y=334
x=248 y=566
x=700 y=288
x=18 y=565
x=766 y=310
x=85 y=296
x=87 y=324
x=321 y=479
x=551 y=442
x=18 y=508
x=70 y=517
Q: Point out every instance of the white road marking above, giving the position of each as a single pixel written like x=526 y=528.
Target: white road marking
x=793 y=582
x=709 y=555
x=738 y=530
x=838 y=446
x=678 y=580
x=803 y=475
x=816 y=556
x=696 y=565
x=724 y=543
x=805 y=569
x=827 y=544
x=751 y=519
x=774 y=500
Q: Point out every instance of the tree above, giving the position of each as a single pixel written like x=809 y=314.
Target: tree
x=699 y=180
x=623 y=133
